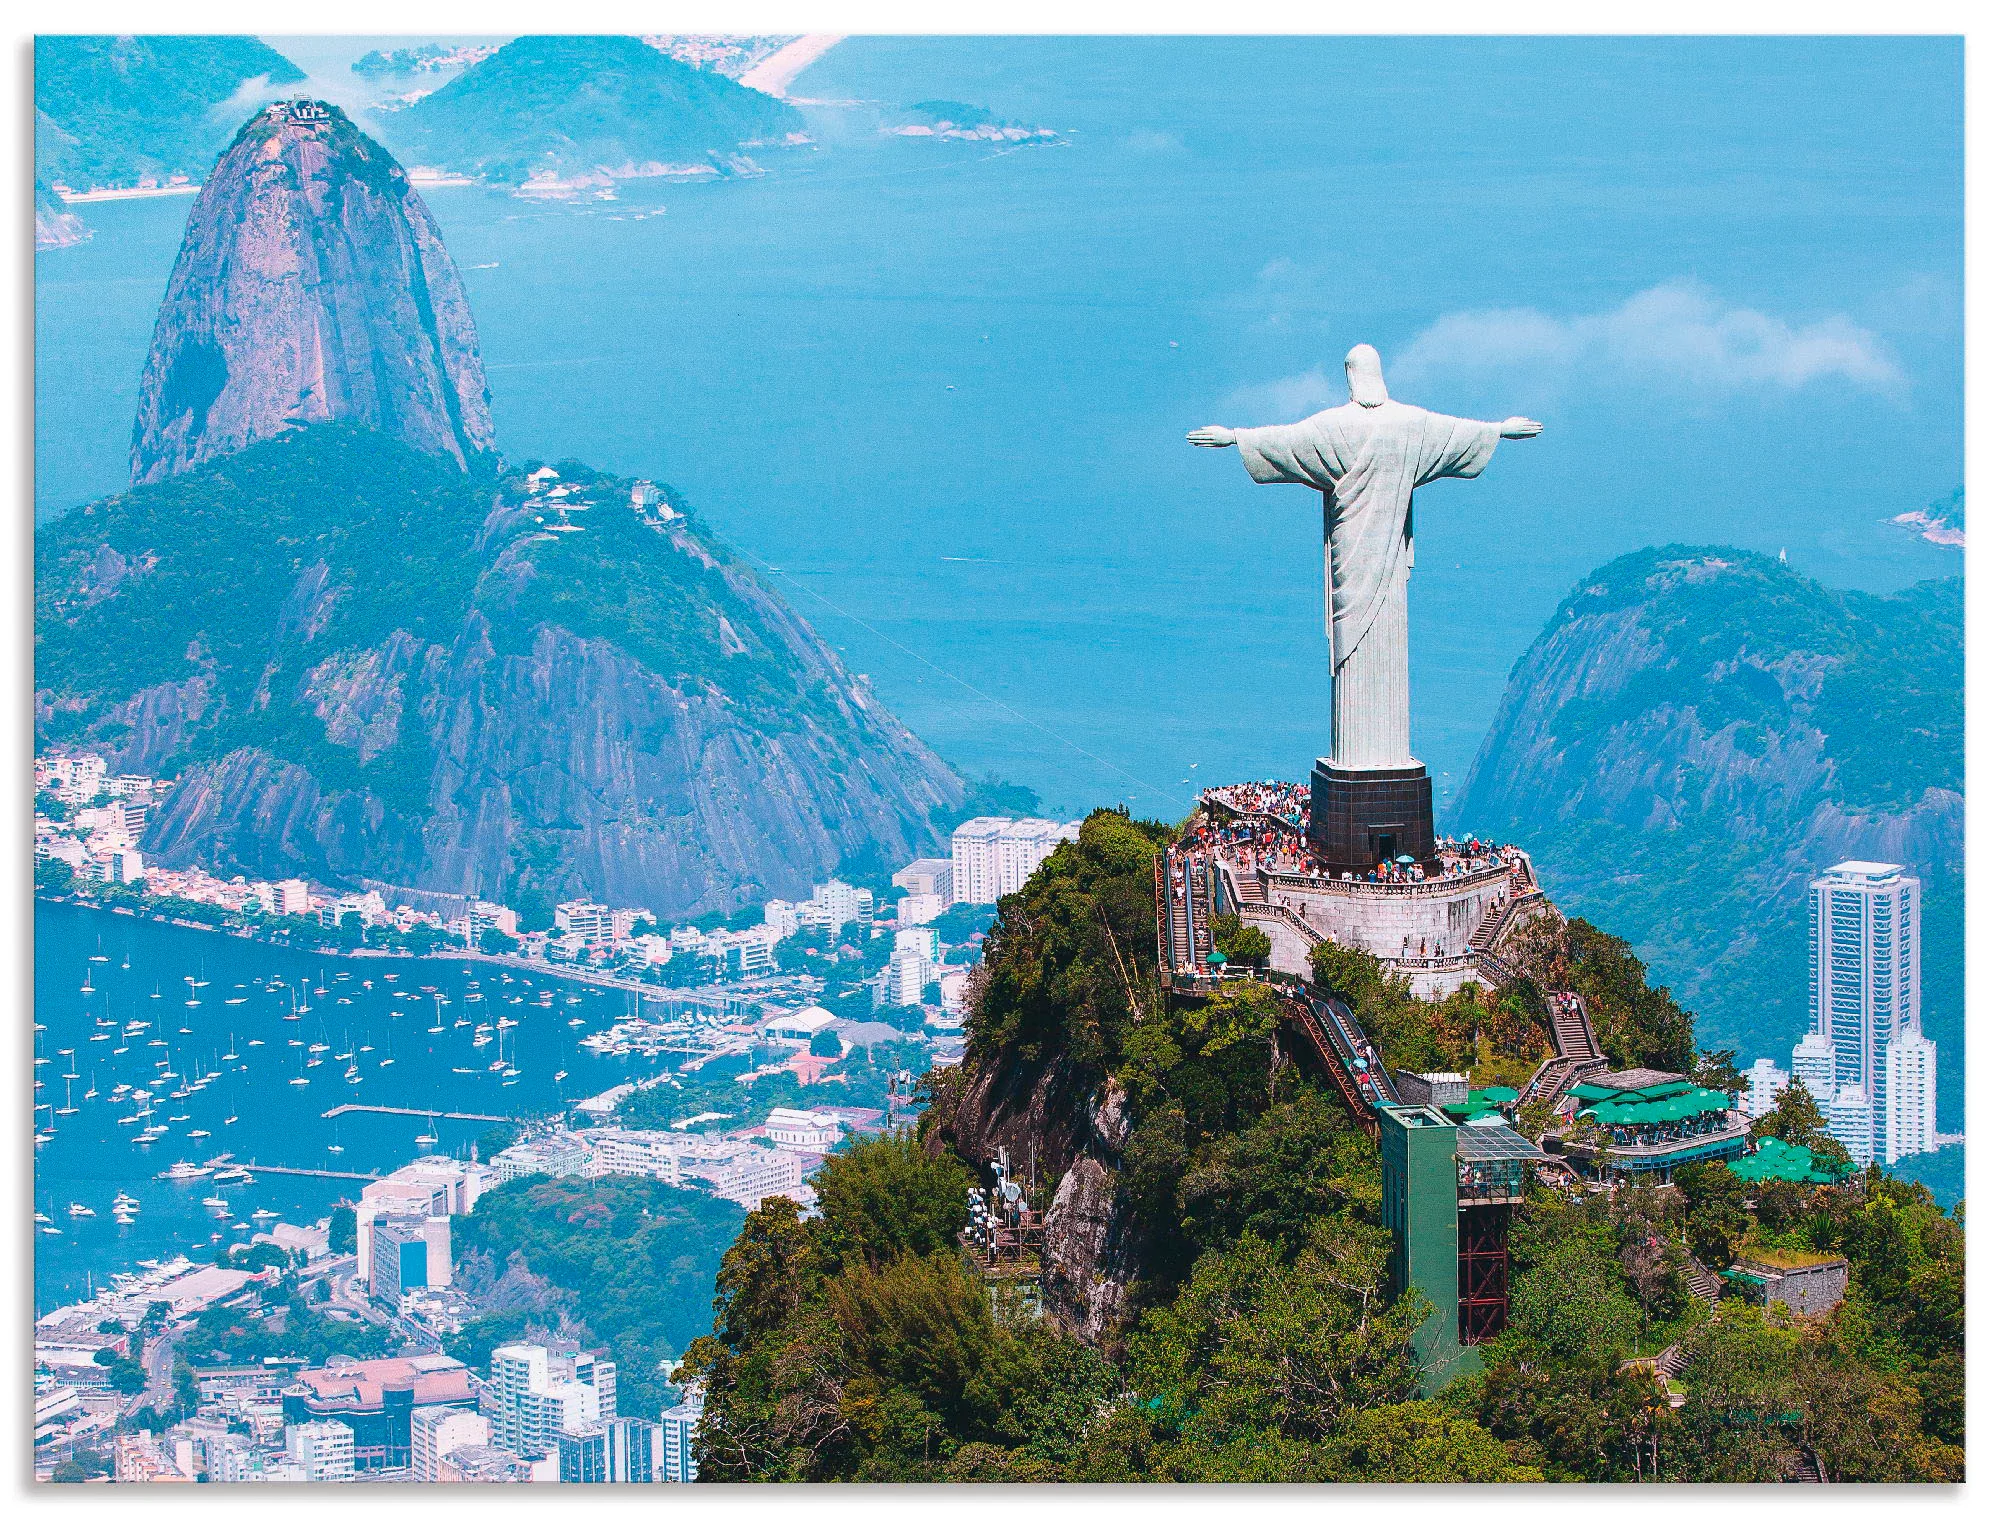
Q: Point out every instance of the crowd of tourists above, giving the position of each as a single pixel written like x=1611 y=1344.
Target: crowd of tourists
x=1288 y=802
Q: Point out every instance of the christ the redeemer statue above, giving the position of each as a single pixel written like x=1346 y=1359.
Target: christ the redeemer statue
x=1366 y=458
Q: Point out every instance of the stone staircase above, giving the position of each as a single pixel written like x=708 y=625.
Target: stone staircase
x=1569 y=1027
x=1701 y=1283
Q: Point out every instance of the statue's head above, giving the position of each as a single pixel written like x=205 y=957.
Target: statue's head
x=1365 y=385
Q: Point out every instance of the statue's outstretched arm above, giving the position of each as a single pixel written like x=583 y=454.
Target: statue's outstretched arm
x=1212 y=437
x=1520 y=426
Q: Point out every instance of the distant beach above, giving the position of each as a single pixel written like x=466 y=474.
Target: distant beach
x=81 y=197
x=775 y=74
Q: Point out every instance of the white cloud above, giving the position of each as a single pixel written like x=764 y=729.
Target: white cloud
x=247 y=96
x=1286 y=399
x=1677 y=334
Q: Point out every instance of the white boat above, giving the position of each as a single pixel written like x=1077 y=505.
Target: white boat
x=78 y=1209
x=263 y=1214
x=181 y=1169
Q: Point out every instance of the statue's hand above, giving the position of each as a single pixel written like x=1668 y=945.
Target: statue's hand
x=1520 y=426
x=1211 y=437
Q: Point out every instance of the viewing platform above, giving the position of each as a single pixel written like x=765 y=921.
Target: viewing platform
x=1437 y=922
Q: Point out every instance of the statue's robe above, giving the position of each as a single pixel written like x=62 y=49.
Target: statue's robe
x=1366 y=461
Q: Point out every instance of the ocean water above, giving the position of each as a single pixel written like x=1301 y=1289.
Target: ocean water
x=940 y=389
x=251 y=988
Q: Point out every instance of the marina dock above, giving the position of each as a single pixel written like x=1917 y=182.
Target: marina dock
x=416 y=1111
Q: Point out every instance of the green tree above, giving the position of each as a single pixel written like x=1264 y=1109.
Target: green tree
x=825 y=1044
x=1420 y=1441
x=1066 y=960
x=1716 y=1221
x=494 y=941
x=881 y=1197
x=1575 y=1302
x=340 y=1229
x=54 y=877
x=1716 y=1069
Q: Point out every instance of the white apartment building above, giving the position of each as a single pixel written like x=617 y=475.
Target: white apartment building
x=744 y=1173
x=324 y=1449
x=1812 y=1067
x=811 y=1132
x=435 y=1186
x=538 y=1395
x=550 y=1154
x=834 y=904
x=992 y=856
x=925 y=877
x=679 y=1424
x=1867 y=986
x=1850 y=1121
x=1766 y=1080
x=437 y=1432
x=915 y=910
x=587 y=918
x=1909 y=1098
x=121 y=866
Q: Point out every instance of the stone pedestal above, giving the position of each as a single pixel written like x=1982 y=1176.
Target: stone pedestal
x=1363 y=816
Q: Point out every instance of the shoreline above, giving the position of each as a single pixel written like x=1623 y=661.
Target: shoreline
x=775 y=75
x=511 y=961
x=87 y=197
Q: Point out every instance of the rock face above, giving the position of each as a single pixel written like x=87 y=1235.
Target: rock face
x=312 y=285
x=1697 y=732
x=1051 y=1117
x=362 y=664
x=56 y=226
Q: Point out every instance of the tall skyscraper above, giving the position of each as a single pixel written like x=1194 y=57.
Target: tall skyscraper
x=1867 y=993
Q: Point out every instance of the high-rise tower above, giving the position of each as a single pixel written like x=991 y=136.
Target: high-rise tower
x=1867 y=1002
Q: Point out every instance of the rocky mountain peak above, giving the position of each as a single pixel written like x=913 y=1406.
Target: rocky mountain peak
x=312 y=285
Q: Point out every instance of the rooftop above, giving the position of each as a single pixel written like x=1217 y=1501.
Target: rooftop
x=359 y=1384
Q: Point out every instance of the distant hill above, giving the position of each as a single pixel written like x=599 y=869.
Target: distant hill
x=1699 y=730
x=110 y=111
x=580 y=105
x=365 y=662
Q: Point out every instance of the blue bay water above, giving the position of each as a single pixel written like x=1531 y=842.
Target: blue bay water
x=92 y=1157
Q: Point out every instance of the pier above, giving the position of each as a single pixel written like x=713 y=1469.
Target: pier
x=416 y=1111
x=311 y=1174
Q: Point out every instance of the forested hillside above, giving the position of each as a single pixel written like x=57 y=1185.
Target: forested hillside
x=1214 y=1287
